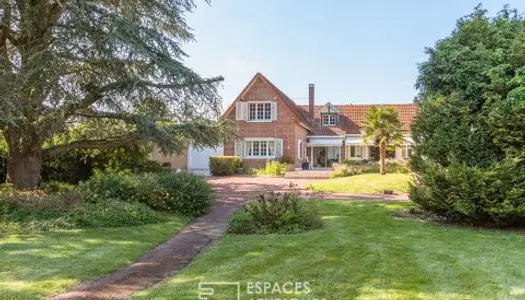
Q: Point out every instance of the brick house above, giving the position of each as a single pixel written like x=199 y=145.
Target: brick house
x=271 y=125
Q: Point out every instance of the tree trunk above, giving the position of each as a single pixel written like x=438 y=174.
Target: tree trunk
x=24 y=166
x=382 y=157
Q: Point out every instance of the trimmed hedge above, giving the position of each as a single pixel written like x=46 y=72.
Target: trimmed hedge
x=224 y=165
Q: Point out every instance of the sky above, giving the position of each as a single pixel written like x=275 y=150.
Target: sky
x=355 y=52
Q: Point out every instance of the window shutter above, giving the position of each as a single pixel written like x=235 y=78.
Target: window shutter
x=274 y=111
x=278 y=147
x=238 y=147
x=244 y=110
x=238 y=111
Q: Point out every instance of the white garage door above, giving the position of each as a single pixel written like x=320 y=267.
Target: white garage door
x=198 y=160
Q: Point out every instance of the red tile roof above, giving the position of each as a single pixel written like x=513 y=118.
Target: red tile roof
x=353 y=115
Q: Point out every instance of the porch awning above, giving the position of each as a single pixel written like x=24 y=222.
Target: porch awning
x=408 y=140
x=326 y=142
x=356 y=140
x=353 y=140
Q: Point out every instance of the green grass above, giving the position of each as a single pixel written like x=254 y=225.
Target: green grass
x=36 y=265
x=364 y=252
x=364 y=184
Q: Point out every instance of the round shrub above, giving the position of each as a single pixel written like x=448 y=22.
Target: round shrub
x=185 y=193
x=113 y=213
x=276 y=213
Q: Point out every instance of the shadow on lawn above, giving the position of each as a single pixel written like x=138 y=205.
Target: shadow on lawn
x=36 y=265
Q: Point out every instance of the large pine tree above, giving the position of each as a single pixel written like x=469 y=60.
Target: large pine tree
x=115 y=64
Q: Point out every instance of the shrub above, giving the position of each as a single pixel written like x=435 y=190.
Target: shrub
x=224 y=165
x=345 y=171
x=185 y=193
x=351 y=162
x=276 y=213
x=398 y=166
x=273 y=168
x=181 y=193
x=113 y=213
x=54 y=186
x=109 y=185
x=287 y=160
x=4 y=206
x=3 y=163
x=491 y=196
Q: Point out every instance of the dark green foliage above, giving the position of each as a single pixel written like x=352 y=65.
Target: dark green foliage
x=113 y=213
x=115 y=68
x=479 y=196
x=185 y=193
x=180 y=193
x=52 y=187
x=276 y=213
x=224 y=165
x=79 y=165
x=470 y=129
x=109 y=185
x=3 y=164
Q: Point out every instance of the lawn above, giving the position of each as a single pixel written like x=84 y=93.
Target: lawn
x=364 y=252
x=364 y=184
x=36 y=265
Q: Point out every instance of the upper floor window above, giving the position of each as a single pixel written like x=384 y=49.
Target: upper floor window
x=329 y=119
x=260 y=111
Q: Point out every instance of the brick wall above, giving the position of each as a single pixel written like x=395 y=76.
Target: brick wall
x=285 y=127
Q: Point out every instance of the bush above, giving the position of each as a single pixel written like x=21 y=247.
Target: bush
x=113 y=213
x=398 y=166
x=224 y=165
x=491 y=196
x=185 y=194
x=346 y=171
x=3 y=163
x=273 y=168
x=54 y=186
x=276 y=213
x=181 y=193
x=109 y=185
x=287 y=160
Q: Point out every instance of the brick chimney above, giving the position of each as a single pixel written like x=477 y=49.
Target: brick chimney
x=311 y=100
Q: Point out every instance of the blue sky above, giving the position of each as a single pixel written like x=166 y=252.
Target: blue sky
x=353 y=51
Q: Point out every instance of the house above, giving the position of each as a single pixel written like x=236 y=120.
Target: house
x=272 y=125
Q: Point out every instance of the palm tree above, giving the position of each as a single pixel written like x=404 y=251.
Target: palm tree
x=382 y=126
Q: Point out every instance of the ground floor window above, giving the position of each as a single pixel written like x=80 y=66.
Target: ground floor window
x=260 y=148
x=354 y=151
x=406 y=151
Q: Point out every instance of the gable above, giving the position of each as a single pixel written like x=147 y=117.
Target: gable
x=261 y=89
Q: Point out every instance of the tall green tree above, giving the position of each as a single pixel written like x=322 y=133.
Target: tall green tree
x=382 y=126
x=117 y=64
x=470 y=128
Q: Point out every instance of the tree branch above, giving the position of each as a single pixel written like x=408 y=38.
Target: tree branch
x=105 y=143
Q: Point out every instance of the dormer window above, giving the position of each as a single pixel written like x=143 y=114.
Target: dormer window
x=329 y=119
x=260 y=111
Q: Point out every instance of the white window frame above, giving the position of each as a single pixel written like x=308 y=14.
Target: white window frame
x=404 y=152
x=300 y=149
x=358 y=152
x=248 y=143
x=330 y=120
x=264 y=111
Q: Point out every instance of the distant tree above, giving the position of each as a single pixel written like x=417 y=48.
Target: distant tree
x=115 y=64
x=382 y=126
